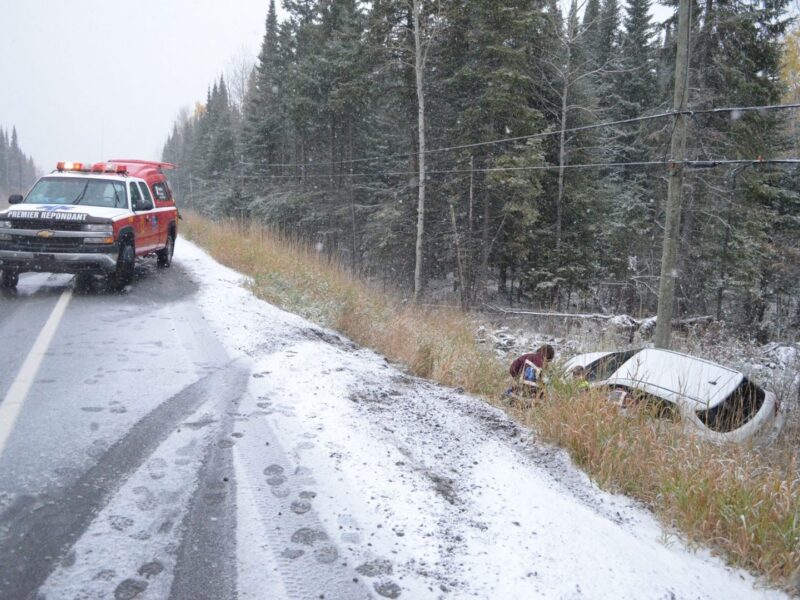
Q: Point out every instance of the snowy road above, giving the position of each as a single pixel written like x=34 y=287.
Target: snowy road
x=186 y=440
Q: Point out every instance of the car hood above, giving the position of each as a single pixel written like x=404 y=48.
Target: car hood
x=677 y=378
x=62 y=212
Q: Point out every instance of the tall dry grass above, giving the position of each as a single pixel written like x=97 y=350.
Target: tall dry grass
x=731 y=497
x=740 y=502
x=436 y=344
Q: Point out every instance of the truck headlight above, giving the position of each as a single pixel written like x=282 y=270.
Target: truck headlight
x=5 y=224
x=102 y=240
x=99 y=227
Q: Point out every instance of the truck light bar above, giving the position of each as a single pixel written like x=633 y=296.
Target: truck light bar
x=72 y=166
x=108 y=168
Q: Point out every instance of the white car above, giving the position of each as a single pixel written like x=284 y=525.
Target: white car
x=722 y=404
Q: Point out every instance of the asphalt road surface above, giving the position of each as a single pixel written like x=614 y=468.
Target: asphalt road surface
x=185 y=440
x=120 y=376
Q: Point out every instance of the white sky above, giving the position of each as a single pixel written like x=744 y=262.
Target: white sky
x=84 y=80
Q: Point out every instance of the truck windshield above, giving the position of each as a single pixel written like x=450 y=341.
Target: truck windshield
x=78 y=190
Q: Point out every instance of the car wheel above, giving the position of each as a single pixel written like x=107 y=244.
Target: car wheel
x=165 y=255
x=83 y=281
x=10 y=279
x=125 y=264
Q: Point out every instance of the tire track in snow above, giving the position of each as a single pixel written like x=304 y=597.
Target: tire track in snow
x=279 y=496
x=37 y=536
x=206 y=565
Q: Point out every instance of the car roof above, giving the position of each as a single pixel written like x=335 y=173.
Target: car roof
x=144 y=169
x=90 y=175
x=677 y=377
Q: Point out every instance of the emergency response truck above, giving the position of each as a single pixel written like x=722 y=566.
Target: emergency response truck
x=89 y=219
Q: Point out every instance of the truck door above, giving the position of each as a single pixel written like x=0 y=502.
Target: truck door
x=142 y=220
x=158 y=223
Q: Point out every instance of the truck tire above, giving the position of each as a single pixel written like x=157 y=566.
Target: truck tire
x=9 y=279
x=165 y=254
x=125 y=263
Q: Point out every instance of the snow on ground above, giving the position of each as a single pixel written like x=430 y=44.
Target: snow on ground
x=420 y=491
x=133 y=538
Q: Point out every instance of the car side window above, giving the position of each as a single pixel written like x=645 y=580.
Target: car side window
x=136 y=197
x=160 y=191
x=147 y=198
x=138 y=202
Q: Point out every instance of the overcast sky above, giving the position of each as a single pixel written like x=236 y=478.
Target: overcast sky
x=91 y=80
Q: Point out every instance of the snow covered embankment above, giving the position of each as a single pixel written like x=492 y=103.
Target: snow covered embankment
x=420 y=491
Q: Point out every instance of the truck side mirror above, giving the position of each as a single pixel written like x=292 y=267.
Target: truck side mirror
x=15 y=198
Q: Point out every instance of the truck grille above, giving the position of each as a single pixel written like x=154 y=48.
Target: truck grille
x=45 y=224
x=24 y=243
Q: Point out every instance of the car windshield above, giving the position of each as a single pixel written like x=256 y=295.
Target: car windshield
x=78 y=190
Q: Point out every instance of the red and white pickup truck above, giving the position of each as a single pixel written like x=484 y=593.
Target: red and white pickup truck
x=85 y=218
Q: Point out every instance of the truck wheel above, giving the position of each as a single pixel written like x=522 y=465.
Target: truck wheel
x=165 y=255
x=10 y=279
x=125 y=263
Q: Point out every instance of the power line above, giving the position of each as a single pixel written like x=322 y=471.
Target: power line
x=700 y=111
x=692 y=164
x=543 y=134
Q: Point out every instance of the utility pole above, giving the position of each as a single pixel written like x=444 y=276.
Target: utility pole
x=669 y=253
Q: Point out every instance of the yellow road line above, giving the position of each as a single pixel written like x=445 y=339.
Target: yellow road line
x=12 y=403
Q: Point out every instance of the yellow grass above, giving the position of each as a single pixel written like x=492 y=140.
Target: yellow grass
x=743 y=504
x=437 y=344
x=729 y=497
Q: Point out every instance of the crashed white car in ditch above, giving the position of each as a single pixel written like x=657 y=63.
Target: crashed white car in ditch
x=722 y=404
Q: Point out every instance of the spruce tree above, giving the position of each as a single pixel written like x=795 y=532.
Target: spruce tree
x=3 y=159
x=262 y=116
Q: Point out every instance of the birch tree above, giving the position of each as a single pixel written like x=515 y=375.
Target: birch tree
x=423 y=36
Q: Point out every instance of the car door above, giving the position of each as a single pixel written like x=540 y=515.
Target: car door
x=158 y=229
x=142 y=219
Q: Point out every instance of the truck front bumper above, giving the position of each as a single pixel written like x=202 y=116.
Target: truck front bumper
x=59 y=262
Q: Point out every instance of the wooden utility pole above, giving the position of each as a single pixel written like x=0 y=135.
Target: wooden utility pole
x=669 y=253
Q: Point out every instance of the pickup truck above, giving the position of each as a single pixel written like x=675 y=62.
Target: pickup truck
x=86 y=219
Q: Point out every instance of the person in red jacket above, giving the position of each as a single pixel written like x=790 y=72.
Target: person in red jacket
x=521 y=370
x=539 y=358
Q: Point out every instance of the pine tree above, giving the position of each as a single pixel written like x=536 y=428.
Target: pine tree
x=3 y=159
x=638 y=84
x=591 y=25
x=262 y=115
x=14 y=162
x=490 y=93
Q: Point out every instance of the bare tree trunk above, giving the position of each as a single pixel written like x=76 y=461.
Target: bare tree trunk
x=462 y=291
x=669 y=255
x=470 y=283
x=562 y=151
x=332 y=144
x=352 y=195
x=724 y=254
x=419 y=66
x=484 y=276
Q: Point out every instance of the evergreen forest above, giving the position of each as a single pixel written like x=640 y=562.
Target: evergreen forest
x=17 y=171
x=544 y=133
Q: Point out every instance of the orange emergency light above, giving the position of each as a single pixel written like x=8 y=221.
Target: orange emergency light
x=108 y=168
x=71 y=166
